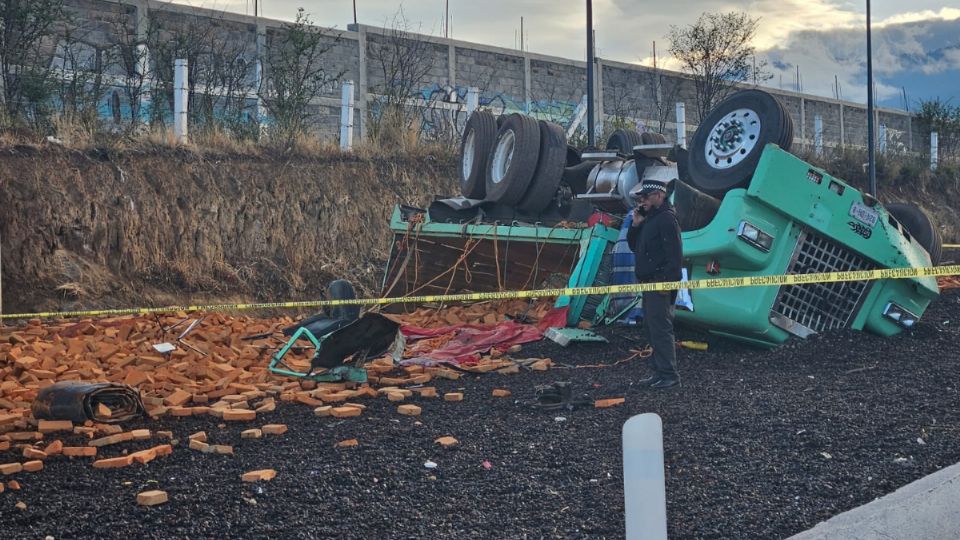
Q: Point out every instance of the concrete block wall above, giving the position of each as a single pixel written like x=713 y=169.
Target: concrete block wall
x=508 y=80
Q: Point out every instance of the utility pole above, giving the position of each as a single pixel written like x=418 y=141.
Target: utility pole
x=446 y=20
x=591 y=136
x=521 y=34
x=870 y=157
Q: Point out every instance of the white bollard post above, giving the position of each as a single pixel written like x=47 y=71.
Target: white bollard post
x=681 y=125
x=644 y=483
x=933 y=151
x=181 y=95
x=473 y=99
x=818 y=135
x=346 y=116
x=882 y=139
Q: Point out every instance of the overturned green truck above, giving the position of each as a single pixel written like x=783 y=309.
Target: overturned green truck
x=535 y=212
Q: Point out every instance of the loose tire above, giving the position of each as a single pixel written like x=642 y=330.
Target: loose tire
x=623 y=141
x=648 y=137
x=920 y=226
x=550 y=165
x=513 y=160
x=728 y=143
x=478 y=137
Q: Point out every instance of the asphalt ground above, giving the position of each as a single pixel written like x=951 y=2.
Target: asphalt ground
x=758 y=443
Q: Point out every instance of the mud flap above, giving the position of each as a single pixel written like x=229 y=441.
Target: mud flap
x=78 y=402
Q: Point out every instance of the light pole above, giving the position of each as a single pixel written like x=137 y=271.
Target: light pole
x=871 y=164
x=590 y=128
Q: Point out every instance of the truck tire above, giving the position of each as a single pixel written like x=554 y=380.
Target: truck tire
x=695 y=209
x=920 y=226
x=550 y=165
x=513 y=160
x=623 y=141
x=648 y=137
x=727 y=145
x=342 y=289
x=478 y=137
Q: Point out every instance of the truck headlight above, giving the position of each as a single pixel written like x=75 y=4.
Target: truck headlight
x=754 y=236
x=900 y=315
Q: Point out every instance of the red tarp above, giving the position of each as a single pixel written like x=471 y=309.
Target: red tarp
x=465 y=343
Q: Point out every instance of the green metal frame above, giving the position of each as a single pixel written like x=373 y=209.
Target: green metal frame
x=337 y=374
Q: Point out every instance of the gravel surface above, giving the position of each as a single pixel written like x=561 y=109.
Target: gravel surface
x=758 y=444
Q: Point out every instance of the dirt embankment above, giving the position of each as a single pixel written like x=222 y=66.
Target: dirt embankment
x=117 y=229
x=98 y=229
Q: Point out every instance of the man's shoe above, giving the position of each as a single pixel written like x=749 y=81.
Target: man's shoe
x=647 y=381
x=665 y=383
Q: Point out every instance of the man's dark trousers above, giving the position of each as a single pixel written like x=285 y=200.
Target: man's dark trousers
x=658 y=320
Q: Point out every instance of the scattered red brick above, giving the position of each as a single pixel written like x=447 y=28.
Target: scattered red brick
x=409 y=410
x=447 y=441
x=610 y=402
x=261 y=475
x=151 y=498
x=274 y=429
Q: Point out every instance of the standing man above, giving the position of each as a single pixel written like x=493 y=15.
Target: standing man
x=655 y=239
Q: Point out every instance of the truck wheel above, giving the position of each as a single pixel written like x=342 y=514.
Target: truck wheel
x=342 y=289
x=623 y=141
x=546 y=179
x=727 y=145
x=478 y=137
x=513 y=160
x=920 y=226
x=648 y=137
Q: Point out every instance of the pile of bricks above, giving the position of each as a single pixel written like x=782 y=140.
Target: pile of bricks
x=213 y=371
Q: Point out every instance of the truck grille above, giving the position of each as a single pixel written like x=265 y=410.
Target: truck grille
x=807 y=309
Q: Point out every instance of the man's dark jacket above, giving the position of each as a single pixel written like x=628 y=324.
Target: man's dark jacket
x=656 y=246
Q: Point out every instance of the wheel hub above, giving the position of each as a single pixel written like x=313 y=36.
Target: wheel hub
x=732 y=139
x=503 y=156
x=468 y=150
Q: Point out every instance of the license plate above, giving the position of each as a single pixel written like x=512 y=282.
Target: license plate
x=864 y=214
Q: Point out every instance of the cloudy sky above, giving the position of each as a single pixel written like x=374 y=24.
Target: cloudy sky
x=916 y=43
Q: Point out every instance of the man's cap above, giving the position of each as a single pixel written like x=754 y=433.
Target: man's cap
x=647 y=187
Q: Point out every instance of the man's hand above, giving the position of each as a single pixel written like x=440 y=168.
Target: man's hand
x=638 y=217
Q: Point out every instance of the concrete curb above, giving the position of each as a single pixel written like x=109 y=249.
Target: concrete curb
x=926 y=508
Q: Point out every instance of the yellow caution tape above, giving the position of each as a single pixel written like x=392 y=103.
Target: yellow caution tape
x=634 y=288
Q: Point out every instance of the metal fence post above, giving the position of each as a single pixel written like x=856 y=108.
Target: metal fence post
x=473 y=99
x=181 y=95
x=578 y=115
x=346 y=116
x=933 y=151
x=818 y=135
x=681 y=125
